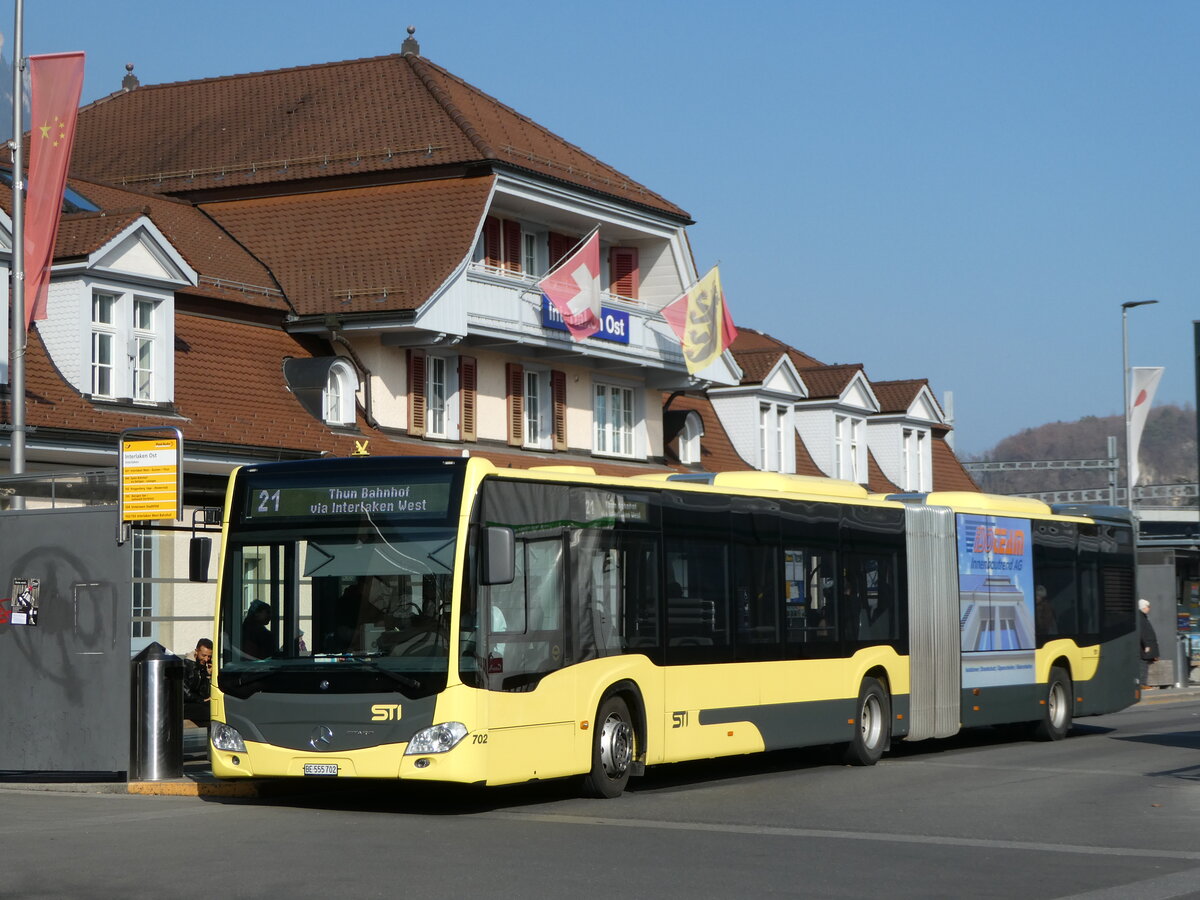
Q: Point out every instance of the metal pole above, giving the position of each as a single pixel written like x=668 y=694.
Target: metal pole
x=17 y=336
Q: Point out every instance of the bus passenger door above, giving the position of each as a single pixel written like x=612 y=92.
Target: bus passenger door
x=530 y=694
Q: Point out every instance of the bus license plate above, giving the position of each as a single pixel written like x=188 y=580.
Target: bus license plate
x=320 y=768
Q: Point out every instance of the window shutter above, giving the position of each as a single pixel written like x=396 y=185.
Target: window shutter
x=623 y=271
x=512 y=246
x=466 y=395
x=558 y=396
x=516 y=404
x=560 y=245
x=416 y=393
x=491 y=241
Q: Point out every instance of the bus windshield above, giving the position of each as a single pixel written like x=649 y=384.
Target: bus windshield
x=366 y=587
x=339 y=598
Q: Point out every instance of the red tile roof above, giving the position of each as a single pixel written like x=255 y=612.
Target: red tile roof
x=948 y=472
x=363 y=249
x=756 y=365
x=828 y=382
x=877 y=482
x=392 y=114
x=749 y=341
x=225 y=268
x=898 y=396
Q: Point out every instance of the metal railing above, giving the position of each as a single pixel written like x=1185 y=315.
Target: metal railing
x=56 y=490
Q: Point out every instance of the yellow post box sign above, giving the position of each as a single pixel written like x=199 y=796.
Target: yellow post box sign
x=151 y=483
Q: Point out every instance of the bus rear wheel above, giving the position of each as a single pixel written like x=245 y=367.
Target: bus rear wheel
x=873 y=725
x=1056 y=717
x=612 y=750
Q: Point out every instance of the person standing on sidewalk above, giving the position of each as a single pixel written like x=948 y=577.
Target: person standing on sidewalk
x=1149 y=642
x=197 y=682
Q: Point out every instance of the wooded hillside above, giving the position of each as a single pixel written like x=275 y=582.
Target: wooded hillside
x=1168 y=452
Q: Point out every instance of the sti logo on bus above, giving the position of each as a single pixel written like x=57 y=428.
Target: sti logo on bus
x=1001 y=541
x=385 y=712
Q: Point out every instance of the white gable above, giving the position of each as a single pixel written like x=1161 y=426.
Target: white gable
x=143 y=251
x=924 y=408
x=858 y=395
x=784 y=379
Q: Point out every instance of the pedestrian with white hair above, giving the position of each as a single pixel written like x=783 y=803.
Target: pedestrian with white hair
x=1149 y=641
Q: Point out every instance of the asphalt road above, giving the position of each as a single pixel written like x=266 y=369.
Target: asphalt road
x=1111 y=812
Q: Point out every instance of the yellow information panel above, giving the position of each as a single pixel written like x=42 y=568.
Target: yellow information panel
x=149 y=479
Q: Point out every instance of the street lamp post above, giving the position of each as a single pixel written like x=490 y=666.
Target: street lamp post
x=1129 y=451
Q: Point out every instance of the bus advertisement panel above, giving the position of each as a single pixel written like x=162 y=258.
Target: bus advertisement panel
x=996 y=600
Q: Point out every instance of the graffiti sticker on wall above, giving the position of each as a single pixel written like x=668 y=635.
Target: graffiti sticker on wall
x=25 y=593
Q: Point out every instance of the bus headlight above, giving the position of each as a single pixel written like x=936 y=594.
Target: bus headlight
x=226 y=738
x=436 y=739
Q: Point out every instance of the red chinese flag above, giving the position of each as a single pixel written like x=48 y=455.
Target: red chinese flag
x=55 y=83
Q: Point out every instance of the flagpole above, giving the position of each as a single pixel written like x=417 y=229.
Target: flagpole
x=17 y=337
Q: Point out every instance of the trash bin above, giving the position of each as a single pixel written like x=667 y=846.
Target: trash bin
x=156 y=716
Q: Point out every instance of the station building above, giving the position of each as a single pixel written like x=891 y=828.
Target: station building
x=343 y=258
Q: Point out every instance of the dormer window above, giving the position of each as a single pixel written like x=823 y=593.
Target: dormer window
x=776 y=443
x=915 y=452
x=689 y=439
x=849 y=456
x=338 y=400
x=130 y=347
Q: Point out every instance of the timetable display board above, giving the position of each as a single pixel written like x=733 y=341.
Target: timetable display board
x=150 y=478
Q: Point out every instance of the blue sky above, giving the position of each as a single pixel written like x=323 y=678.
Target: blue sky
x=964 y=192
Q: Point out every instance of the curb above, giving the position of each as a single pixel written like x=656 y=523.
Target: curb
x=190 y=787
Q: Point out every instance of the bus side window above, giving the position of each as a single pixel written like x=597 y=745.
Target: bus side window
x=871 y=612
x=822 y=588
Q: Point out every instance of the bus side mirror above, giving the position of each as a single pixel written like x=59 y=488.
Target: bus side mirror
x=199 y=553
x=498 y=551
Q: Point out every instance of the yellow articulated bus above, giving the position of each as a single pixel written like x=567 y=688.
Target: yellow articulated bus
x=445 y=620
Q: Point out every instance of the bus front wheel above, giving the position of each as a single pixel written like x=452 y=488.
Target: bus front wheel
x=873 y=725
x=612 y=750
x=1056 y=717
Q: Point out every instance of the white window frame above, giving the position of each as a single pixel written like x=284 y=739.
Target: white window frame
x=141 y=364
x=764 y=420
x=855 y=448
x=785 y=464
x=849 y=448
x=144 y=337
x=449 y=412
x=918 y=467
x=337 y=400
x=610 y=438
x=437 y=396
x=104 y=335
x=539 y=413
x=839 y=446
x=531 y=258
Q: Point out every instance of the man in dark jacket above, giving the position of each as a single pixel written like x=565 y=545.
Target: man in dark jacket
x=1149 y=641
x=197 y=682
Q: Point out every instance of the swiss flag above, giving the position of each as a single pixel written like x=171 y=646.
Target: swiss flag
x=574 y=288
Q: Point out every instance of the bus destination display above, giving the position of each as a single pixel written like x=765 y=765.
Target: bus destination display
x=425 y=500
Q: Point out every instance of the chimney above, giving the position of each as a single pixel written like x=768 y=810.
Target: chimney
x=410 y=47
x=130 y=81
